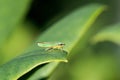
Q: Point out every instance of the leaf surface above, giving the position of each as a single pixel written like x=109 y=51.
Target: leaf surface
x=69 y=30
x=110 y=33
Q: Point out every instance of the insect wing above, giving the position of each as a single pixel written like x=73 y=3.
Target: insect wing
x=45 y=44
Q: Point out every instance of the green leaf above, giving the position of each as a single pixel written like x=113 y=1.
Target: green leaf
x=11 y=13
x=69 y=30
x=110 y=33
x=48 y=69
x=72 y=28
x=24 y=63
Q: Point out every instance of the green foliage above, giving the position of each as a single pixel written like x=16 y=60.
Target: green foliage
x=10 y=15
x=75 y=30
x=24 y=63
x=110 y=33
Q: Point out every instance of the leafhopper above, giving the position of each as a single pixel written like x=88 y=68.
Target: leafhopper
x=51 y=45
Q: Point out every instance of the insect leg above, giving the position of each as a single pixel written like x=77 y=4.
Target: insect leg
x=47 y=49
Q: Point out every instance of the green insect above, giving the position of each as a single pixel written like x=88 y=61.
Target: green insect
x=51 y=45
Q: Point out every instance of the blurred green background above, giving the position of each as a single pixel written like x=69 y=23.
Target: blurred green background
x=22 y=21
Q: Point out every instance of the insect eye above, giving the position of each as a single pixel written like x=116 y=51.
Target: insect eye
x=61 y=44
